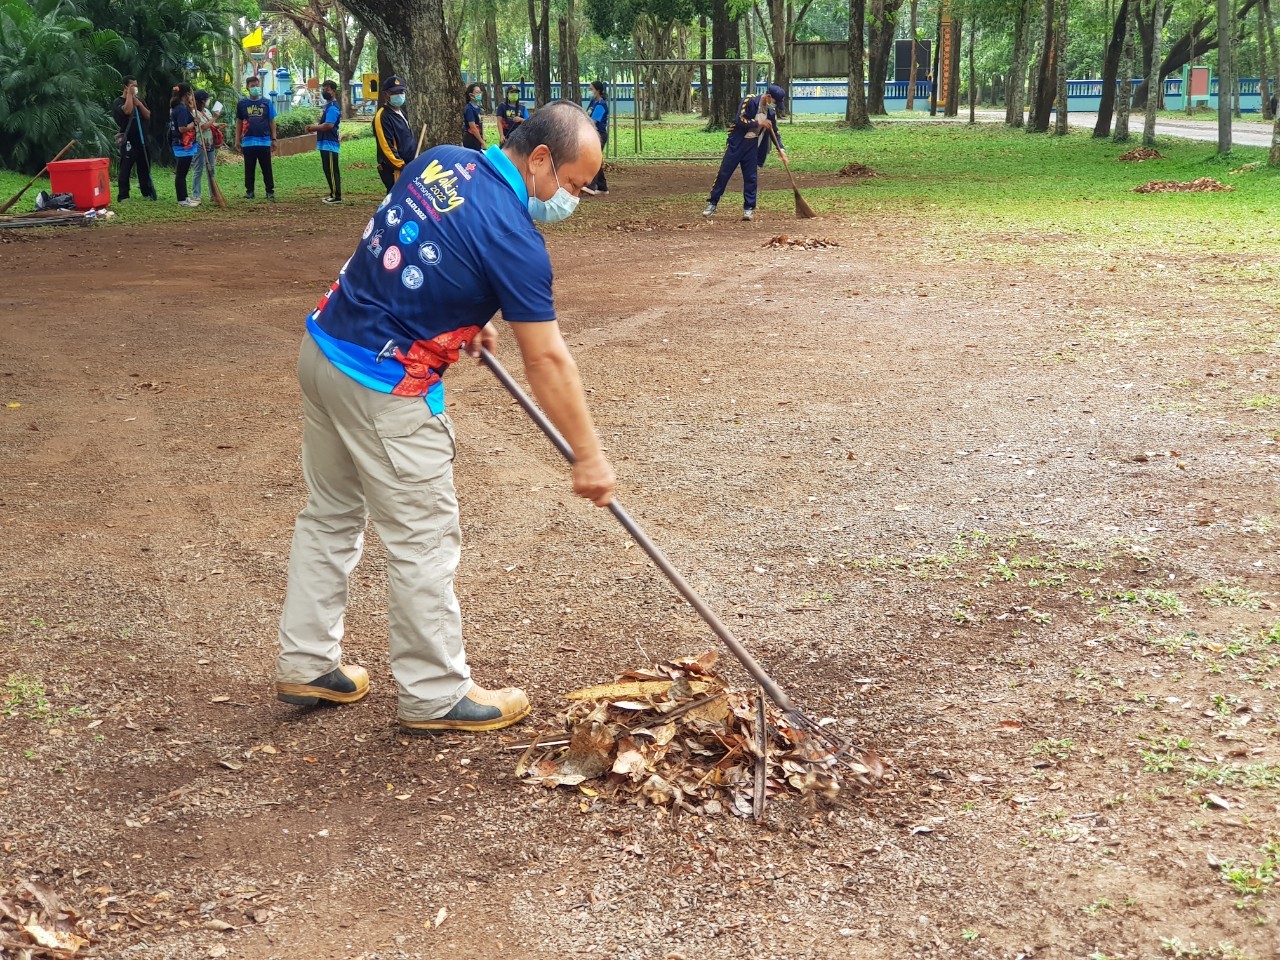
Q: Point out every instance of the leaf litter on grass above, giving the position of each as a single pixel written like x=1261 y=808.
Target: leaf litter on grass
x=675 y=735
x=1139 y=154
x=1198 y=185
x=859 y=171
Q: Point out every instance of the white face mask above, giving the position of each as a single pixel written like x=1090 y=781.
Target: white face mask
x=559 y=207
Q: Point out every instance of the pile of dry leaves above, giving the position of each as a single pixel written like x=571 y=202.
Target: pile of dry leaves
x=859 y=170
x=1138 y=154
x=675 y=735
x=1198 y=185
x=801 y=243
x=35 y=924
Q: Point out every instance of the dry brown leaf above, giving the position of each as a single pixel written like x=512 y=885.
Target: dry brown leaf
x=620 y=691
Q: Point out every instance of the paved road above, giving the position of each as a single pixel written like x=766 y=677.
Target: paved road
x=1243 y=132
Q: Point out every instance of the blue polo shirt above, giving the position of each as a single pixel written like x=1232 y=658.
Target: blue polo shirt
x=450 y=246
x=328 y=139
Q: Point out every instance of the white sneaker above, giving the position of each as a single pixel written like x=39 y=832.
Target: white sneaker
x=747 y=214
x=189 y=202
x=711 y=209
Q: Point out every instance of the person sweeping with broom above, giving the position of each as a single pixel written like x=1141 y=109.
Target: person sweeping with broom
x=747 y=148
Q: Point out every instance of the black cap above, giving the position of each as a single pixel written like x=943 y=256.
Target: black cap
x=392 y=84
x=775 y=91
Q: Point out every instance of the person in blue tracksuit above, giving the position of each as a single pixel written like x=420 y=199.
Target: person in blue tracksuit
x=748 y=146
x=327 y=139
x=598 y=111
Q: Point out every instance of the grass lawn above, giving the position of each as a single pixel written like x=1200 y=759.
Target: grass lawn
x=952 y=181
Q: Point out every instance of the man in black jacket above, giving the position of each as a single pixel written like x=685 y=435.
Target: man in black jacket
x=130 y=113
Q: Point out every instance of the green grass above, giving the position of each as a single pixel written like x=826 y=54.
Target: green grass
x=977 y=192
x=298 y=180
x=988 y=181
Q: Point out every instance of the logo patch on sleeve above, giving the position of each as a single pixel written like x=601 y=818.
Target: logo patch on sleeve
x=391 y=259
x=429 y=253
x=409 y=232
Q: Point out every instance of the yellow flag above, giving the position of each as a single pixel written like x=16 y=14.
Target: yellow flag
x=252 y=40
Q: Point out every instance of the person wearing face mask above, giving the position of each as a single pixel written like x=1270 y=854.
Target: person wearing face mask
x=472 y=122
x=131 y=115
x=511 y=113
x=256 y=136
x=431 y=269
x=326 y=132
x=598 y=110
x=747 y=148
x=396 y=145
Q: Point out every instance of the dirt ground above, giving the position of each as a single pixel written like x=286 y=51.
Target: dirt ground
x=1017 y=529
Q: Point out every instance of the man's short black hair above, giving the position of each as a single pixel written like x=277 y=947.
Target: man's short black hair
x=561 y=125
x=331 y=84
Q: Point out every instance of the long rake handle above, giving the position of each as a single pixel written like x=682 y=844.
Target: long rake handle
x=655 y=554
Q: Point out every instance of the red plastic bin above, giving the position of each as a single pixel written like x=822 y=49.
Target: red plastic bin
x=89 y=181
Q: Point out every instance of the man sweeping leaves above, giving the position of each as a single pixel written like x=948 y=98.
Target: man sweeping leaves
x=428 y=274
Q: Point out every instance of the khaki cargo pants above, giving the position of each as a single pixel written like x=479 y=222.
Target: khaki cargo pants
x=369 y=455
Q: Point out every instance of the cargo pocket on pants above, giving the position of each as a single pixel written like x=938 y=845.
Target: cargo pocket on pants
x=419 y=444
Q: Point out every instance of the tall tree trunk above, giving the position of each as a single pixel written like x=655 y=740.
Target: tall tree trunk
x=1264 y=86
x=493 y=54
x=1274 y=48
x=911 y=75
x=778 y=31
x=1111 y=63
x=1154 y=79
x=1035 y=53
x=1126 y=66
x=1017 y=82
x=973 y=91
x=937 y=61
x=704 y=101
x=414 y=39
x=562 y=32
x=543 y=80
x=535 y=52
x=1060 y=45
x=1235 y=69
x=726 y=81
x=877 y=63
x=1224 y=77
x=855 y=111
x=572 y=63
x=1046 y=85
x=953 y=78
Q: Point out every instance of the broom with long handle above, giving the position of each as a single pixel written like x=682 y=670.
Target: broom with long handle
x=840 y=748
x=803 y=210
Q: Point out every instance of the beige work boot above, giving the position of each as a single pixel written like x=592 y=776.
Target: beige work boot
x=347 y=684
x=480 y=709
